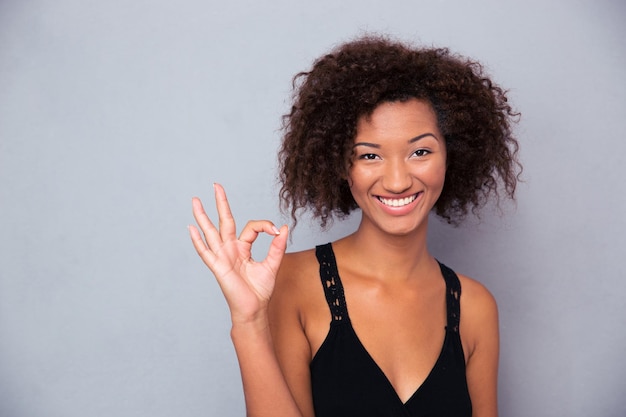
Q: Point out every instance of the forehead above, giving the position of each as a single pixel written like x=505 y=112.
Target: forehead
x=399 y=118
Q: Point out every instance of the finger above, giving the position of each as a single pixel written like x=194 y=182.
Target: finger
x=277 y=249
x=206 y=225
x=198 y=243
x=227 y=226
x=252 y=229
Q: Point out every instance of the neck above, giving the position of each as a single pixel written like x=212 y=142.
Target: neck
x=385 y=254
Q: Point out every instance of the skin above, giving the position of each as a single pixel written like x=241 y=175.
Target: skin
x=280 y=315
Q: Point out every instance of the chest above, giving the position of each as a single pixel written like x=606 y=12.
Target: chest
x=401 y=331
x=347 y=380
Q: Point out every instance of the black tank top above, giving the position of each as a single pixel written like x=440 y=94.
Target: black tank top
x=346 y=382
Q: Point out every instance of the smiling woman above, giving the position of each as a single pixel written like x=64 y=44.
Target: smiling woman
x=372 y=324
x=398 y=166
x=473 y=116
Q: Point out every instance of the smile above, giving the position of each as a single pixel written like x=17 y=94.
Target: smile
x=397 y=202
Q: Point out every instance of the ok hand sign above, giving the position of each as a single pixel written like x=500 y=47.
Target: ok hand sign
x=246 y=284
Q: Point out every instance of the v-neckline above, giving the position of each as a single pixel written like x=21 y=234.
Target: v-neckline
x=386 y=378
x=347 y=321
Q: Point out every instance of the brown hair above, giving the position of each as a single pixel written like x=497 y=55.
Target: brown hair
x=351 y=81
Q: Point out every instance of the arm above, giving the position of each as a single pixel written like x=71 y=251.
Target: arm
x=247 y=286
x=479 y=332
x=292 y=347
x=265 y=388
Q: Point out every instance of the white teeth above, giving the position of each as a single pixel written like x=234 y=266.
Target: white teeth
x=398 y=202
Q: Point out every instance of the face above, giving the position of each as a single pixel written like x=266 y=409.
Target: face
x=398 y=166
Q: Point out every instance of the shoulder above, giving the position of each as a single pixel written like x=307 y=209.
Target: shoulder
x=481 y=345
x=479 y=314
x=296 y=268
x=294 y=261
x=475 y=297
x=296 y=279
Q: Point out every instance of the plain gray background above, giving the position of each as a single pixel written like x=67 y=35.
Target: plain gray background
x=113 y=114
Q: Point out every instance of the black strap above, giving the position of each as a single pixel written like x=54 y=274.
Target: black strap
x=453 y=295
x=333 y=290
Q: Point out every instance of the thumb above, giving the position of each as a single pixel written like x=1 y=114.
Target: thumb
x=277 y=249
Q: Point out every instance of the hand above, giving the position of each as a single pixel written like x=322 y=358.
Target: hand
x=246 y=284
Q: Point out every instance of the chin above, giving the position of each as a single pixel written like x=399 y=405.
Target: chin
x=403 y=230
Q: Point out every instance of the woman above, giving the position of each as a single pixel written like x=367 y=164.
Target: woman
x=372 y=324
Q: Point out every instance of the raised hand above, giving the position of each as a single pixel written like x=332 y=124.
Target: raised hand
x=246 y=284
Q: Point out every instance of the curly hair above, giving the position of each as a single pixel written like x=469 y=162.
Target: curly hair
x=473 y=115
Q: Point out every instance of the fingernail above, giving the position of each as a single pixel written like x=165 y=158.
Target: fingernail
x=275 y=230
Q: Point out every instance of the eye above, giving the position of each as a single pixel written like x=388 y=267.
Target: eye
x=421 y=152
x=368 y=156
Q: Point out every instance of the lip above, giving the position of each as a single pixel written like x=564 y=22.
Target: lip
x=399 y=205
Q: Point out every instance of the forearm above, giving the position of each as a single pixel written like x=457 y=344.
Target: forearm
x=265 y=389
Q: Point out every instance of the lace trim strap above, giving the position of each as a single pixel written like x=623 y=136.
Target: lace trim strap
x=453 y=296
x=333 y=290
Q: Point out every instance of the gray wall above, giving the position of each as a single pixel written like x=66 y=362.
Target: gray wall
x=114 y=113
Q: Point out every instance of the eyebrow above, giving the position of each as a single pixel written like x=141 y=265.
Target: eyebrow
x=377 y=146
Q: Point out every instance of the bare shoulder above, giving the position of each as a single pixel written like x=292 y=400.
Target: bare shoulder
x=297 y=270
x=479 y=314
x=481 y=345
x=296 y=278
x=295 y=263
x=475 y=297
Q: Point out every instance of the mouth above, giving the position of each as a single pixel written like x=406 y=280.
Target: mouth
x=397 y=202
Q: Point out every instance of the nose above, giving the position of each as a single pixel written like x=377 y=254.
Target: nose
x=397 y=178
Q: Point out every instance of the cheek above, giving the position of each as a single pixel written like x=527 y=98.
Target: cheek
x=433 y=174
x=438 y=172
x=441 y=175
x=356 y=177
x=359 y=181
